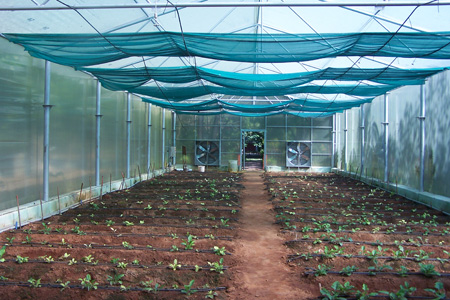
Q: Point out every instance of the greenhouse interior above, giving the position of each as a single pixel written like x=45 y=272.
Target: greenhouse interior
x=225 y=149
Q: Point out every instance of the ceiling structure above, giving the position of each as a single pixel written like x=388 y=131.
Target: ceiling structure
x=251 y=58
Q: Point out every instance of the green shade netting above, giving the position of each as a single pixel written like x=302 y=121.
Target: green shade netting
x=184 y=93
x=124 y=79
x=92 y=49
x=241 y=114
x=293 y=106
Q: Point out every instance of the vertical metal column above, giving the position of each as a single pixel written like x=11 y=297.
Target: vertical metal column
x=345 y=138
x=174 y=137
x=386 y=137
x=422 y=137
x=333 y=140
x=163 y=136
x=128 y=133
x=98 y=117
x=149 y=137
x=47 y=107
x=363 y=134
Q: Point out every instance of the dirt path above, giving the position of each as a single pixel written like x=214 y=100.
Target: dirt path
x=261 y=272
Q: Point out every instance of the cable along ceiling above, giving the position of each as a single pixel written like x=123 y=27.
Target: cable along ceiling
x=248 y=58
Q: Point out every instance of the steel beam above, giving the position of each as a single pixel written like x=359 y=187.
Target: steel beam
x=345 y=139
x=149 y=137
x=47 y=107
x=422 y=137
x=386 y=137
x=372 y=3
x=174 y=136
x=98 y=117
x=163 y=137
x=128 y=134
x=333 y=140
x=363 y=134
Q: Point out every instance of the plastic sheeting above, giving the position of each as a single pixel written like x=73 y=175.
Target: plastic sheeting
x=93 y=49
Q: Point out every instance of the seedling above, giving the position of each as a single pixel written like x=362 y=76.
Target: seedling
x=403 y=271
x=21 y=260
x=364 y=294
x=211 y=294
x=188 y=288
x=36 y=283
x=88 y=258
x=135 y=262
x=189 y=243
x=148 y=287
x=10 y=240
x=321 y=270
x=217 y=266
x=349 y=270
x=88 y=283
x=128 y=223
x=2 y=252
x=438 y=291
x=219 y=250
x=402 y=293
x=127 y=245
x=175 y=265
x=72 y=262
x=64 y=285
x=109 y=222
x=428 y=270
x=115 y=279
x=122 y=265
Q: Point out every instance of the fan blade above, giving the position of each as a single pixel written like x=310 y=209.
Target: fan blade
x=201 y=147
x=292 y=151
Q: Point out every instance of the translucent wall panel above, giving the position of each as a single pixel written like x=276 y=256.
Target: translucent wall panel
x=298 y=134
x=354 y=140
x=139 y=129
x=253 y=123
x=21 y=123
x=404 y=132
x=156 y=142
x=374 y=141
x=168 y=138
x=113 y=161
x=437 y=141
x=72 y=130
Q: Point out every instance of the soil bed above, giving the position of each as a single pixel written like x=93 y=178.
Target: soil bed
x=344 y=231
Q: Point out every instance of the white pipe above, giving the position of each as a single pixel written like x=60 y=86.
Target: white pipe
x=333 y=140
x=373 y=3
x=345 y=139
x=47 y=107
x=422 y=137
x=363 y=133
x=386 y=137
x=174 y=136
x=98 y=117
x=149 y=136
x=128 y=133
x=163 y=136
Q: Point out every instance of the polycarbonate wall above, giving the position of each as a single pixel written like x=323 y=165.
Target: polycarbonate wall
x=404 y=137
x=72 y=130
x=225 y=130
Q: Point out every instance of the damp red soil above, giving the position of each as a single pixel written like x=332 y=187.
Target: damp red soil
x=261 y=271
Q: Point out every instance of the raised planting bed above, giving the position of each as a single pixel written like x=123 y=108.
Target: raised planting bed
x=348 y=240
x=167 y=238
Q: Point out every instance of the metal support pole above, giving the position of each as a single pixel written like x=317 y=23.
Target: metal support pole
x=163 y=137
x=174 y=137
x=386 y=137
x=149 y=137
x=333 y=140
x=128 y=133
x=98 y=117
x=422 y=137
x=345 y=139
x=47 y=108
x=363 y=135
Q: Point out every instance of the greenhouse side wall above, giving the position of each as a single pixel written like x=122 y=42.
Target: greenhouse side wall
x=226 y=131
x=403 y=122
x=72 y=134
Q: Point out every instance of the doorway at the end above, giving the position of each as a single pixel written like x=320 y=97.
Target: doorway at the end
x=253 y=150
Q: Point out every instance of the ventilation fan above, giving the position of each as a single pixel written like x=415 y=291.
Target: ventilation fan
x=206 y=153
x=298 y=154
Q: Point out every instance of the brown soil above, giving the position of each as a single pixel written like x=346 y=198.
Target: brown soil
x=261 y=271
